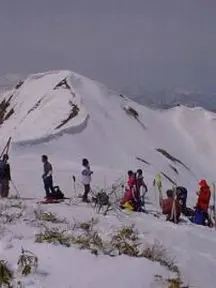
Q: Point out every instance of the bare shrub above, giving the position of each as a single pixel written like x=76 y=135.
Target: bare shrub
x=27 y=262
x=6 y=274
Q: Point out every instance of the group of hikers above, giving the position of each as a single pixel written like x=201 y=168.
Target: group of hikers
x=174 y=205
x=51 y=191
x=134 y=195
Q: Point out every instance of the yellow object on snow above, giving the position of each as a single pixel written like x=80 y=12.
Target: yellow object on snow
x=158 y=181
x=128 y=206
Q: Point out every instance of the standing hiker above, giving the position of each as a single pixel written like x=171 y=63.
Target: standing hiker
x=86 y=179
x=140 y=186
x=47 y=176
x=202 y=205
x=5 y=176
x=181 y=193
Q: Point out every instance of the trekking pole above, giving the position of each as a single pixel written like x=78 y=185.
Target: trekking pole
x=173 y=211
x=214 y=202
x=6 y=148
x=74 y=184
x=16 y=190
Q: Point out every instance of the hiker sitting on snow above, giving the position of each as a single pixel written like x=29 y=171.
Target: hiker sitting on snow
x=5 y=176
x=86 y=179
x=131 y=199
x=170 y=208
x=47 y=177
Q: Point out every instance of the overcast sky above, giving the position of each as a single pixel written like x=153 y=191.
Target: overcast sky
x=122 y=43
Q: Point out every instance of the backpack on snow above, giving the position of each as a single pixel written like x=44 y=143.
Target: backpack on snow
x=198 y=217
x=57 y=193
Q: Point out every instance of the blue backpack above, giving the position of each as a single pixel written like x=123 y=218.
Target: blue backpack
x=198 y=217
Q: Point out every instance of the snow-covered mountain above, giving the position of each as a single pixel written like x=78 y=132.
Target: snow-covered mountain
x=167 y=99
x=90 y=115
x=68 y=117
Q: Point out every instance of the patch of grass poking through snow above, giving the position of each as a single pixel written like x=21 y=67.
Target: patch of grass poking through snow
x=73 y=113
x=54 y=236
x=88 y=238
x=142 y=160
x=157 y=253
x=6 y=274
x=125 y=242
x=27 y=262
x=132 y=112
x=48 y=217
x=4 y=113
x=174 y=282
x=171 y=158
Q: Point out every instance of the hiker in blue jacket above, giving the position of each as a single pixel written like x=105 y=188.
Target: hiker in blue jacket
x=47 y=176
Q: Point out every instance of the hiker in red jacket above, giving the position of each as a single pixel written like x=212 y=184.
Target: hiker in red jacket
x=167 y=206
x=204 y=196
x=203 y=200
x=130 y=191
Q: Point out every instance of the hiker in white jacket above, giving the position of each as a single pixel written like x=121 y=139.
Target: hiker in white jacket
x=86 y=178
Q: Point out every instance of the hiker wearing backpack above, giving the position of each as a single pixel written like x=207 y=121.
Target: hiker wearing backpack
x=202 y=205
x=86 y=178
x=181 y=193
x=47 y=176
x=5 y=176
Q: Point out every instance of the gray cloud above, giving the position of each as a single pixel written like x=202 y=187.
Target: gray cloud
x=122 y=43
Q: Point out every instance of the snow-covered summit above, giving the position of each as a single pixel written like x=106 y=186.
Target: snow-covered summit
x=50 y=104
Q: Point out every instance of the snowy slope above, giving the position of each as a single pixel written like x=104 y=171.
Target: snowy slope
x=103 y=131
x=114 y=141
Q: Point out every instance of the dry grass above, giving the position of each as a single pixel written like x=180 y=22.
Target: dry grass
x=54 y=236
x=48 y=217
x=157 y=253
x=6 y=274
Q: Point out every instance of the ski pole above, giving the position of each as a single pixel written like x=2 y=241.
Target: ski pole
x=6 y=148
x=74 y=183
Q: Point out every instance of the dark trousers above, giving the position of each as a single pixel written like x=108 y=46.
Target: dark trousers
x=86 y=191
x=48 y=186
x=4 y=187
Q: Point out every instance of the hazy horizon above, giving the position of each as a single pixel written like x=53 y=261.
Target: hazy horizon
x=125 y=44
